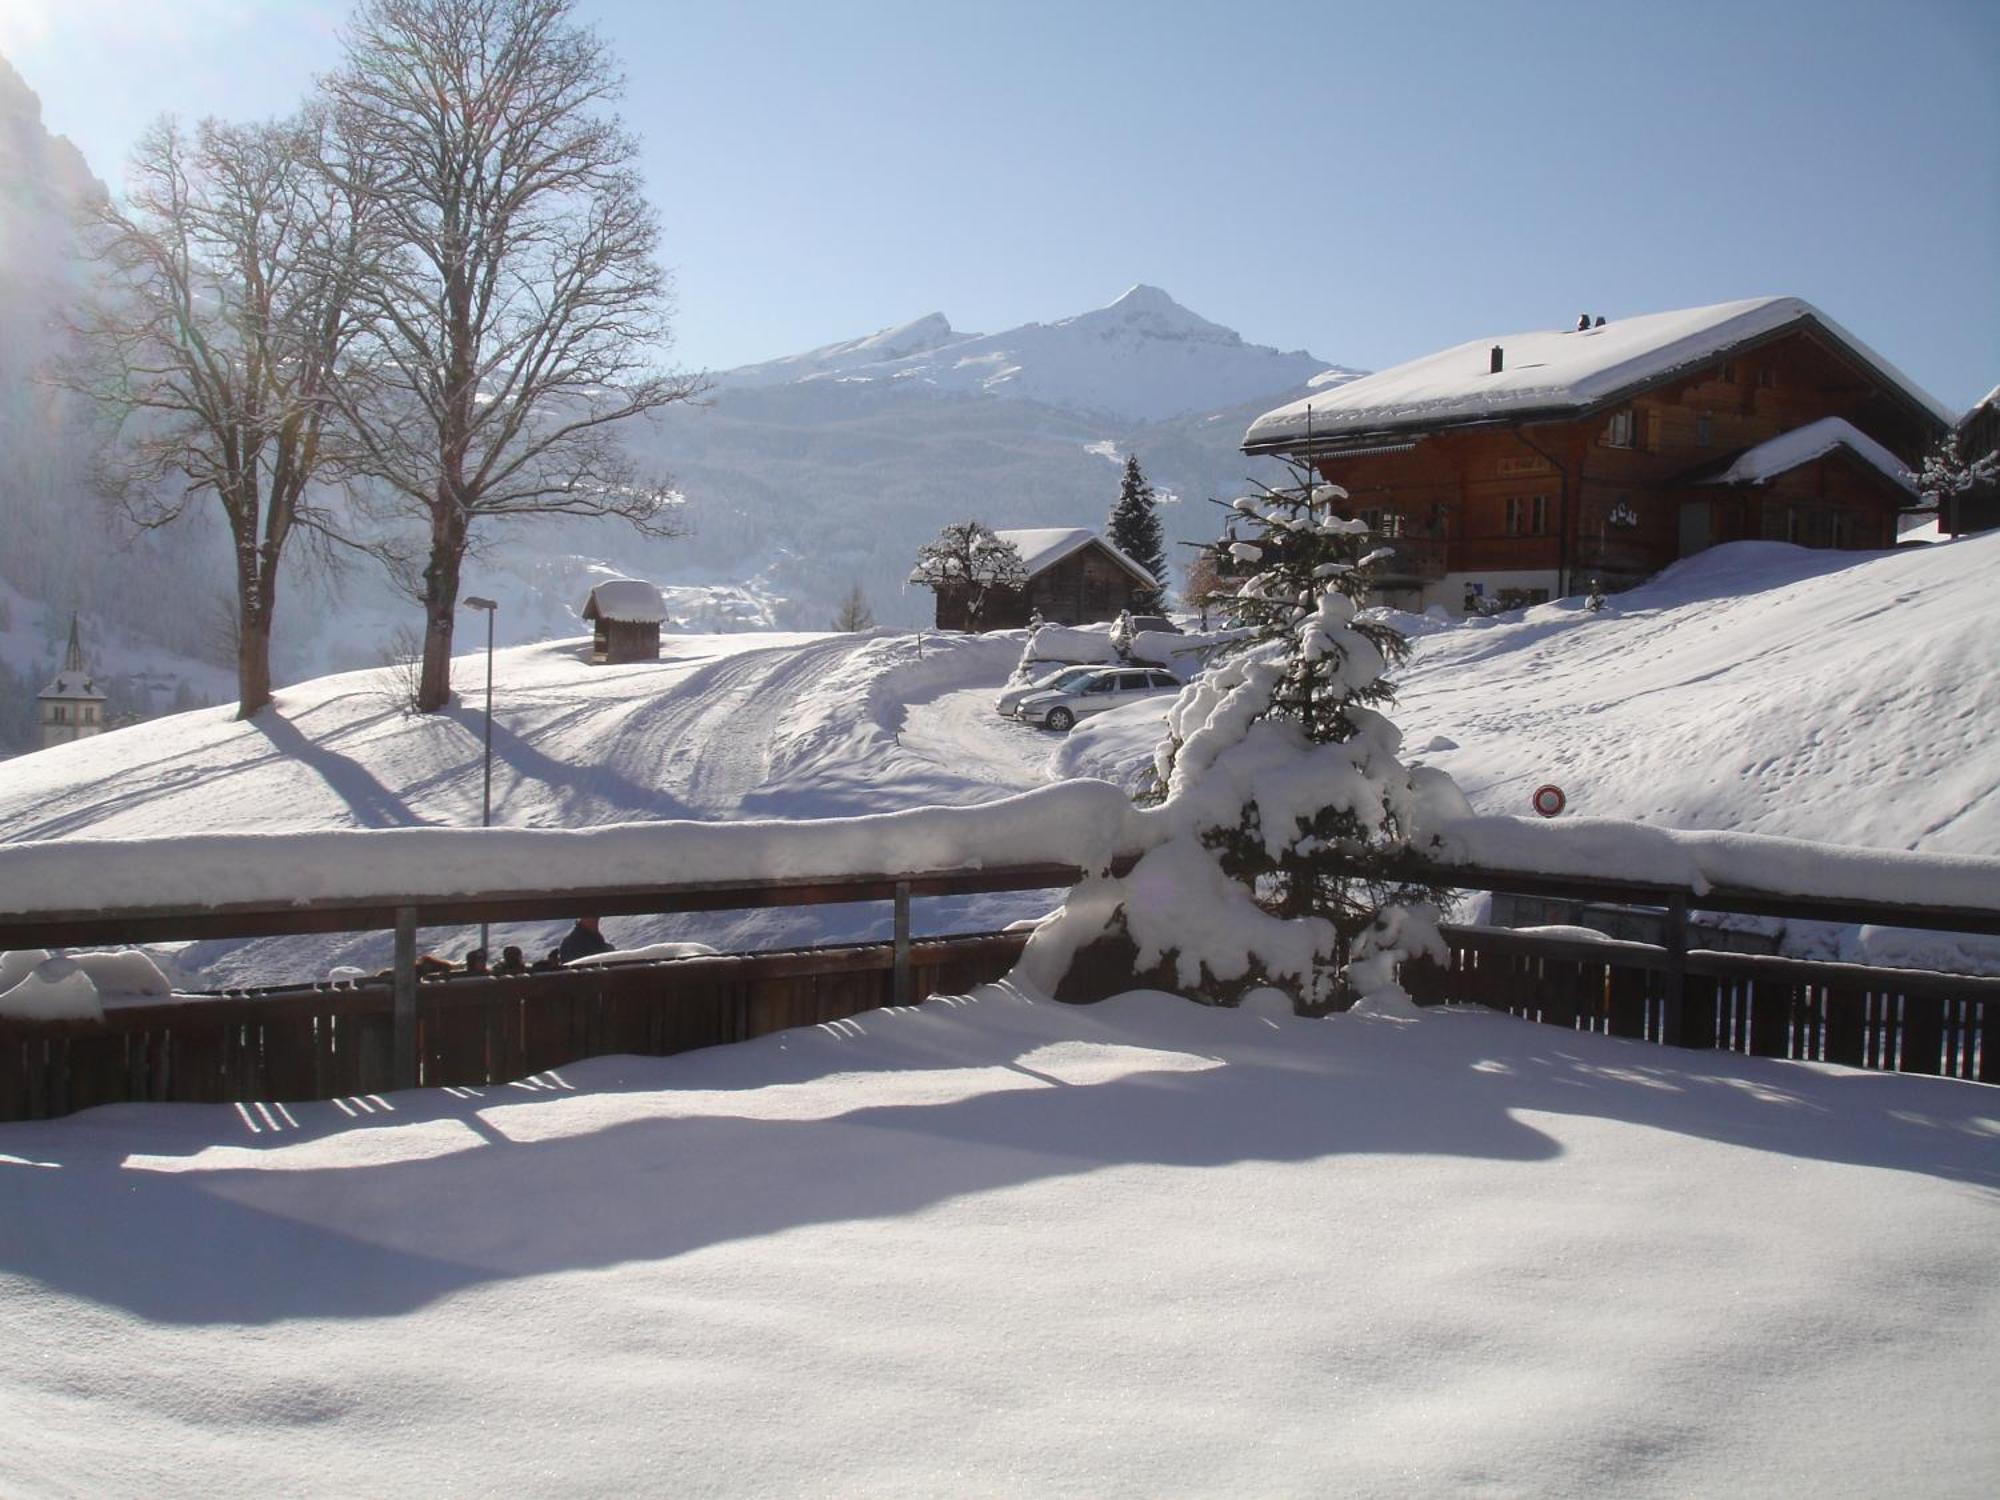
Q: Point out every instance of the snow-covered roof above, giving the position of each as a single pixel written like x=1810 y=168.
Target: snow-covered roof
x=1042 y=547
x=1553 y=373
x=632 y=600
x=1788 y=450
x=72 y=685
x=73 y=681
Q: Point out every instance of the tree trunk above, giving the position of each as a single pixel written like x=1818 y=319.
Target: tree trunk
x=253 y=627
x=448 y=537
x=253 y=665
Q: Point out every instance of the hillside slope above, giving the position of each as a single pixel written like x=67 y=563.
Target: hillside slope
x=1844 y=698
x=1849 y=698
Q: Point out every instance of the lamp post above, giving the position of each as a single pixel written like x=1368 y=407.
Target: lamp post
x=489 y=608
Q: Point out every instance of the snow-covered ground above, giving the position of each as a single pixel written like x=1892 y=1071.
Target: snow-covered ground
x=1837 y=697
x=995 y=1246
x=1849 y=698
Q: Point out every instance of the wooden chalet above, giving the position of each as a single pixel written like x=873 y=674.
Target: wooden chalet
x=1075 y=577
x=625 y=614
x=1514 y=469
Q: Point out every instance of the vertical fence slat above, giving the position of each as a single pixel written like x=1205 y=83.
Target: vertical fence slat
x=1923 y=1033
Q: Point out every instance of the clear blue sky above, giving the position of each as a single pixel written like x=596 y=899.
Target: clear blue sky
x=1367 y=180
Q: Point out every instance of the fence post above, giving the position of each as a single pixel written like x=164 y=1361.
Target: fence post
x=403 y=1062
x=1673 y=1007
x=903 y=985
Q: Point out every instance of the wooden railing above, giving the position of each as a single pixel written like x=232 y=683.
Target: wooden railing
x=318 y=1042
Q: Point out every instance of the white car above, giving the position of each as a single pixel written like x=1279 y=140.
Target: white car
x=1009 y=702
x=1100 y=689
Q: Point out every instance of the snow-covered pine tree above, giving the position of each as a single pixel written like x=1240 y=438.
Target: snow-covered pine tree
x=1282 y=814
x=1134 y=529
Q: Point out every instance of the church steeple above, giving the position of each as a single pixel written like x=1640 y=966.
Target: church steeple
x=71 y=707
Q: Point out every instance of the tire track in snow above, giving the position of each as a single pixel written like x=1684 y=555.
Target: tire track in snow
x=710 y=743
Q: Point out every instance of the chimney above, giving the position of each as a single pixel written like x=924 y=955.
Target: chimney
x=1499 y=358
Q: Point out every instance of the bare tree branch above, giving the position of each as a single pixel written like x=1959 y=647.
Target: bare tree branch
x=520 y=314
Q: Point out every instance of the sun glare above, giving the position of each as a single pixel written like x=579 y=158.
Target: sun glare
x=23 y=24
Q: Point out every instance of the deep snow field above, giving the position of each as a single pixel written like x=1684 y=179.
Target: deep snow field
x=991 y=1245
x=995 y=1246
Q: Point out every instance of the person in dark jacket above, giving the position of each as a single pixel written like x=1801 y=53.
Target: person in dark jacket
x=583 y=940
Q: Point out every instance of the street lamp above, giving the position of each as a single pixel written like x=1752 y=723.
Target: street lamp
x=489 y=608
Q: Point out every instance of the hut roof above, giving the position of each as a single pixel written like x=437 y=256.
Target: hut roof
x=1802 y=445
x=1042 y=547
x=631 y=600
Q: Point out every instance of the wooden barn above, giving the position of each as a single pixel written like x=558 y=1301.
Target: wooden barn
x=1075 y=577
x=626 y=614
x=1514 y=469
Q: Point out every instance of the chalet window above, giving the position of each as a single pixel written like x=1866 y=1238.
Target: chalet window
x=1527 y=515
x=1704 y=431
x=1623 y=430
x=1767 y=378
x=1383 y=522
x=1728 y=373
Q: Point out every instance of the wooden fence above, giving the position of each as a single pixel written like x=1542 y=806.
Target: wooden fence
x=318 y=1042
x=1899 y=1020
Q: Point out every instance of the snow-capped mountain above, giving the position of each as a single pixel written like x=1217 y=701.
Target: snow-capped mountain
x=1143 y=358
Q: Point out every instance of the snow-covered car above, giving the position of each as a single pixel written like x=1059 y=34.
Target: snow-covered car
x=1009 y=702
x=1101 y=689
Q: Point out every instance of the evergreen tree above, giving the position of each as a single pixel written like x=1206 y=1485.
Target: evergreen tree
x=1134 y=529
x=1282 y=817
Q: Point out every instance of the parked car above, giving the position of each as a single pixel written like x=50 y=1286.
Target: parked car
x=1142 y=623
x=1104 y=688
x=1009 y=702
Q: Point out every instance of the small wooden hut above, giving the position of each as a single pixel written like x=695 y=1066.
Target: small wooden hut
x=625 y=614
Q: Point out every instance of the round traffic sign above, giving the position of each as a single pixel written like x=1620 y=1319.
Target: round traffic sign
x=1549 y=800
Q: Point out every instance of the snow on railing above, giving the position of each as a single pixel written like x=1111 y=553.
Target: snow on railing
x=1081 y=823
x=1700 y=862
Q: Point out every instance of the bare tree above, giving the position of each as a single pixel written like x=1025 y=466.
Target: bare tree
x=854 y=613
x=522 y=313
x=1205 y=583
x=968 y=562
x=229 y=272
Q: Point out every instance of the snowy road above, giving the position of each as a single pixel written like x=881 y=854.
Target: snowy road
x=960 y=729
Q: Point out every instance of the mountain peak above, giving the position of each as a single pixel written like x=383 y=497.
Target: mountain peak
x=1143 y=357
x=1144 y=298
